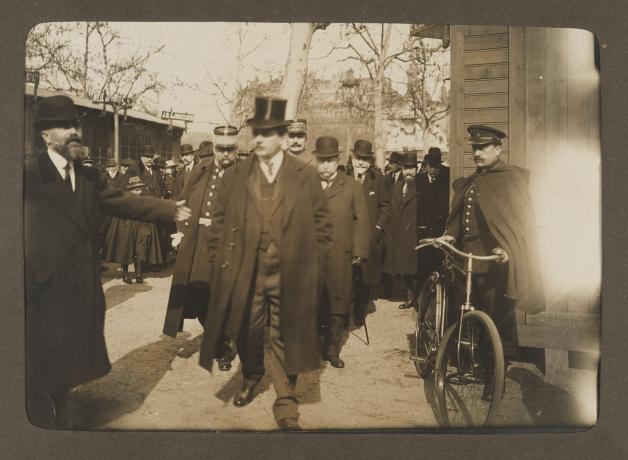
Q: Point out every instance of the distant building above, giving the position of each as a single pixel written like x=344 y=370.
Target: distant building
x=136 y=130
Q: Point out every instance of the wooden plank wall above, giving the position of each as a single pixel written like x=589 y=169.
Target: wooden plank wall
x=485 y=83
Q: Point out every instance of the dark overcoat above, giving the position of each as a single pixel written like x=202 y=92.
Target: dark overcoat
x=432 y=203
x=378 y=204
x=154 y=187
x=65 y=305
x=506 y=206
x=180 y=180
x=351 y=237
x=192 y=267
x=304 y=242
x=401 y=239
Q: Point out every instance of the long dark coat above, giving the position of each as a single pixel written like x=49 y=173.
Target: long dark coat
x=506 y=206
x=65 y=305
x=433 y=203
x=378 y=204
x=181 y=178
x=401 y=239
x=192 y=267
x=304 y=242
x=351 y=237
x=154 y=187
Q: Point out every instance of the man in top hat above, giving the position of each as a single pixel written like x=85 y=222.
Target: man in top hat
x=401 y=257
x=189 y=292
x=64 y=204
x=297 y=139
x=148 y=173
x=378 y=203
x=433 y=209
x=351 y=239
x=271 y=220
x=188 y=162
x=492 y=208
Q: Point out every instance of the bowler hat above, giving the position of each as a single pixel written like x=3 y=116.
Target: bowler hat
x=160 y=162
x=434 y=157
x=111 y=163
x=205 y=149
x=297 y=126
x=270 y=112
x=128 y=162
x=395 y=157
x=55 y=109
x=147 y=151
x=326 y=147
x=481 y=134
x=134 y=182
x=363 y=149
x=409 y=158
x=226 y=136
x=186 y=149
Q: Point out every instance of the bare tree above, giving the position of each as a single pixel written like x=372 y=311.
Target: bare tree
x=88 y=60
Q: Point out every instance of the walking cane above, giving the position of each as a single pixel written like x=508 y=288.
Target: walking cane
x=366 y=331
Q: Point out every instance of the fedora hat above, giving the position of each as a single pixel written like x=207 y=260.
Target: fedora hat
x=326 y=147
x=363 y=149
x=270 y=112
x=147 y=151
x=409 y=158
x=186 y=149
x=56 y=109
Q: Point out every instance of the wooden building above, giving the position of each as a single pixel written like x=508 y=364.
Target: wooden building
x=541 y=87
x=137 y=130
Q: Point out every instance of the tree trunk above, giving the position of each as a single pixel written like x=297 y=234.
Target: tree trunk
x=116 y=135
x=85 y=62
x=378 y=102
x=296 y=65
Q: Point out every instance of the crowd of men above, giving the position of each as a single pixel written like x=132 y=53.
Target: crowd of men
x=281 y=239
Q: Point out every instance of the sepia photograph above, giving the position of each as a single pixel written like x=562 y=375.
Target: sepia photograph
x=251 y=226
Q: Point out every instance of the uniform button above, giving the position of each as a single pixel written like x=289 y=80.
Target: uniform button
x=225 y=265
x=472 y=191
x=231 y=245
x=468 y=206
x=467 y=229
x=207 y=214
x=213 y=186
x=470 y=199
x=209 y=203
x=187 y=224
x=211 y=193
x=466 y=221
x=468 y=213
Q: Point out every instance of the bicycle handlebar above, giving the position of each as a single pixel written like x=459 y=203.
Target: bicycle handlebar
x=500 y=255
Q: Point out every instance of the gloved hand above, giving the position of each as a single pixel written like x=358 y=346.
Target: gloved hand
x=176 y=239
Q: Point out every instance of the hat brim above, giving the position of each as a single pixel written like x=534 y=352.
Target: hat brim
x=362 y=154
x=326 y=155
x=265 y=124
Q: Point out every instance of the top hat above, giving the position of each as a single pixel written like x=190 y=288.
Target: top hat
x=326 y=147
x=363 y=149
x=147 y=151
x=270 y=112
x=186 y=149
x=297 y=126
x=484 y=134
x=408 y=158
x=395 y=157
x=434 y=157
x=226 y=136
x=56 y=109
x=134 y=183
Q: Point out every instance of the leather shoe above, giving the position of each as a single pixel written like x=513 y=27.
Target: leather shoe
x=224 y=364
x=404 y=305
x=139 y=279
x=244 y=395
x=126 y=278
x=289 y=424
x=336 y=361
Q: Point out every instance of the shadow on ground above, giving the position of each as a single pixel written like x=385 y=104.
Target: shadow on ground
x=131 y=380
x=115 y=295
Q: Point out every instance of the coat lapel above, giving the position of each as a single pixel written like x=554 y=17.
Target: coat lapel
x=335 y=188
x=250 y=186
x=56 y=190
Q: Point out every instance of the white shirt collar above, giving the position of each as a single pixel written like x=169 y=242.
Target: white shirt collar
x=276 y=162
x=59 y=161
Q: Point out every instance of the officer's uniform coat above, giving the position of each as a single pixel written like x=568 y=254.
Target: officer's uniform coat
x=192 y=267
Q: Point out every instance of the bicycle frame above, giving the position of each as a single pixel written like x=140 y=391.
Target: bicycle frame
x=499 y=256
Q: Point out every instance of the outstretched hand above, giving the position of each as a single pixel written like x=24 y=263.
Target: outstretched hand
x=176 y=239
x=182 y=212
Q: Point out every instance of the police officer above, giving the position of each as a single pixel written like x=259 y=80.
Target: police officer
x=297 y=140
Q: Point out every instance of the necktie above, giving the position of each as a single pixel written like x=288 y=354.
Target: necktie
x=361 y=178
x=67 y=179
x=269 y=166
x=405 y=189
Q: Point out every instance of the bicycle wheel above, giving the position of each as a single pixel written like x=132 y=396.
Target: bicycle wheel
x=428 y=324
x=469 y=380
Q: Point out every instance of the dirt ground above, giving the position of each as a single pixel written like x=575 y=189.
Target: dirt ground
x=157 y=384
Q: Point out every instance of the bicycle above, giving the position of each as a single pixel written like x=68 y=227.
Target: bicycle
x=466 y=357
